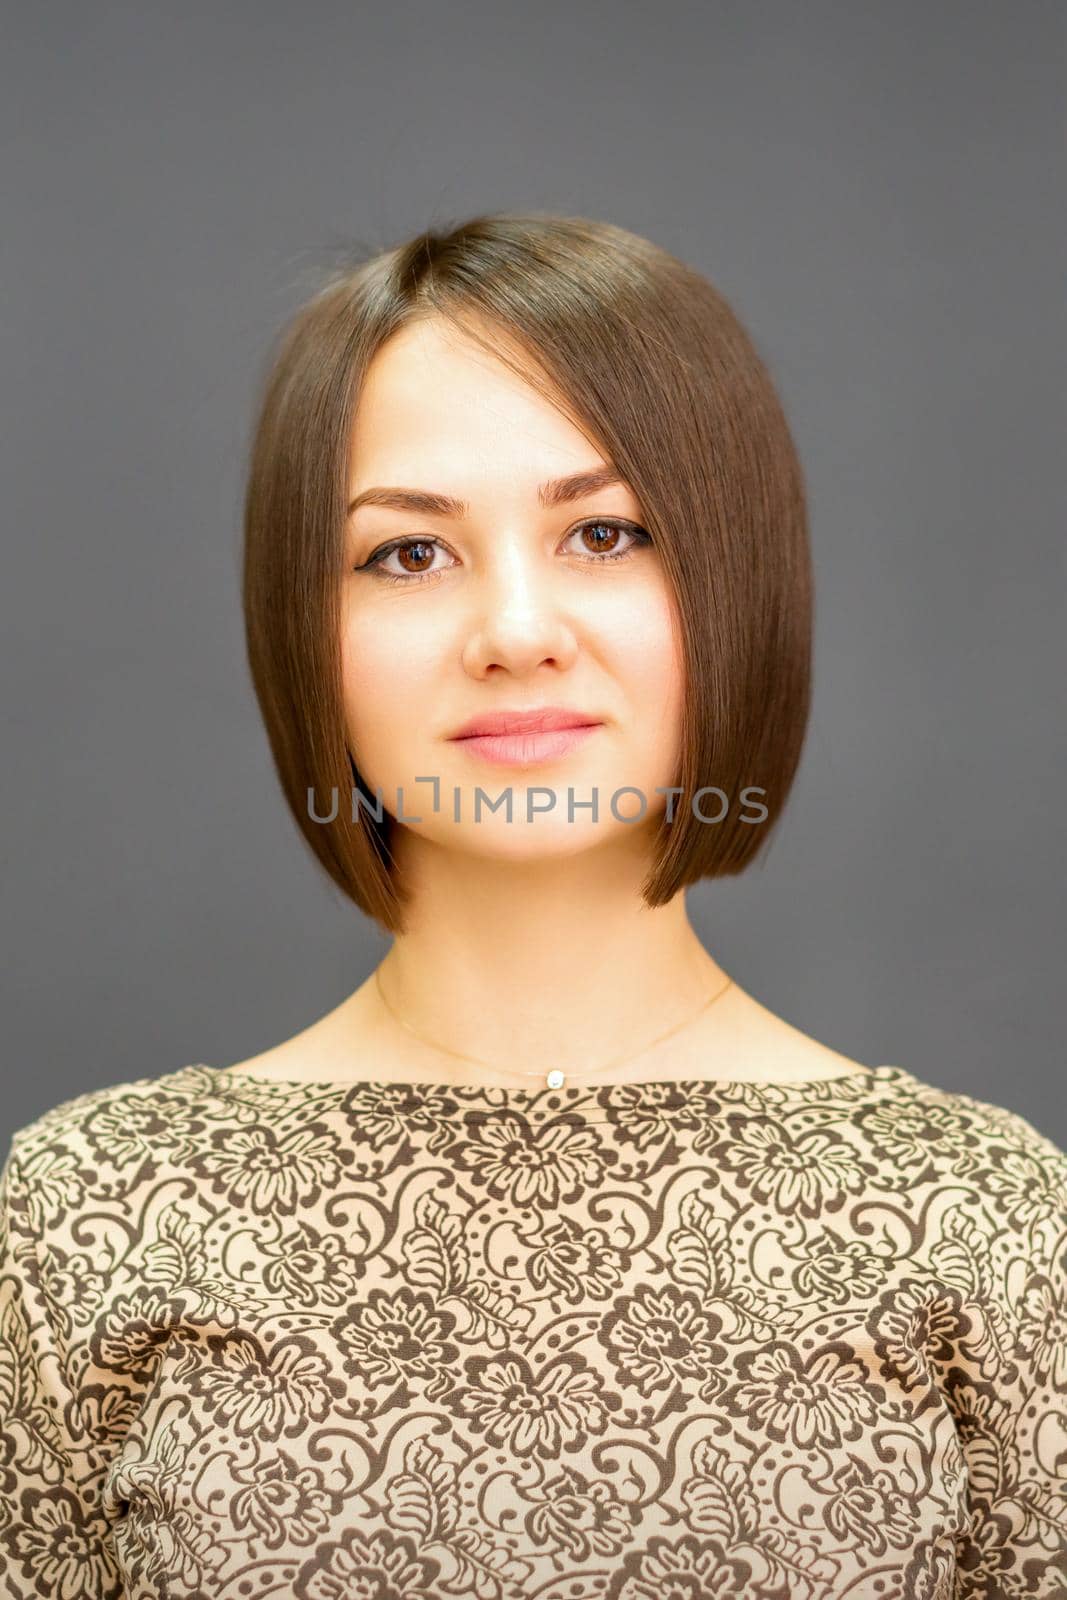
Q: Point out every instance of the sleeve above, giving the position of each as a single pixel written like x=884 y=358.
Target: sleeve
x=1008 y=1387
x=54 y=1538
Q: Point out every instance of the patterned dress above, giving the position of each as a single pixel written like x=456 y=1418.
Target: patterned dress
x=666 y=1341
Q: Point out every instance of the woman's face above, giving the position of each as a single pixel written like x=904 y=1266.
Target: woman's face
x=499 y=603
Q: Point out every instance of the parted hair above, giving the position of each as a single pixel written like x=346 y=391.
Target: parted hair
x=648 y=359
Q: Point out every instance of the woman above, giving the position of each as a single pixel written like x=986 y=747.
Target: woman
x=550 y=1262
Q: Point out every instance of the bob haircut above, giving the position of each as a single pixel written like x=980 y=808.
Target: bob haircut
x=649 y=361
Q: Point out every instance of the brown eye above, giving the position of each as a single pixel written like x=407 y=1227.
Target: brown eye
x=423 y=555
x=414 y=555
x=601 y=536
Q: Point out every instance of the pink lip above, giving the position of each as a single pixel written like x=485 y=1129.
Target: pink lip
x=538 y=719
x=526 y=749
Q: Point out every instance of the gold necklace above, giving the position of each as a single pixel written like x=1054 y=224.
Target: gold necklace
x=553 y=1078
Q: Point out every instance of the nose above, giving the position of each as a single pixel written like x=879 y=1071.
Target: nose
x=518 y=617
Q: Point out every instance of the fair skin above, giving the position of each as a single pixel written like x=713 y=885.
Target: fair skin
x=528 y=942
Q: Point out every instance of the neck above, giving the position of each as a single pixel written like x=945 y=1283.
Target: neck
x=519 y=964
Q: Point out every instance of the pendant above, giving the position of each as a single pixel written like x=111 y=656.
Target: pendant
x=555 y=1079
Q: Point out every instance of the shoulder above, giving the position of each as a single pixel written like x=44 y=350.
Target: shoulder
x=997 y=1182
x=76 y=1114
x=1002 y=1136
x=103 y=1142
x=972 y=1126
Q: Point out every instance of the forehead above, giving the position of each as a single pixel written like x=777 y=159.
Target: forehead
x=432 y=397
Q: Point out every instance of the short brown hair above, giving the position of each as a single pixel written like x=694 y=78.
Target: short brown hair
x=651 y=361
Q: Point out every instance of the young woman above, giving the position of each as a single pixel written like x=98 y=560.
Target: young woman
x=550 y=1262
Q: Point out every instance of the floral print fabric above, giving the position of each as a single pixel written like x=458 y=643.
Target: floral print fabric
x=668 y=1341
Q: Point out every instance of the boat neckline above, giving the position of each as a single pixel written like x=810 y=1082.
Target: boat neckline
x=659 y=1093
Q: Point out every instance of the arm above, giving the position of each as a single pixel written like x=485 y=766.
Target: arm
x=54 y=1538
x=1008 y=1388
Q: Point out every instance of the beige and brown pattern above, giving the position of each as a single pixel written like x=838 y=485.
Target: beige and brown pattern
x=675 y=1341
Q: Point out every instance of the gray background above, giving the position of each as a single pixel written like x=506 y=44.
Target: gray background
x=878 y=189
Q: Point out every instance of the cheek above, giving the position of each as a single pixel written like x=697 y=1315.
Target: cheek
x=648 y=657
x=384 y=671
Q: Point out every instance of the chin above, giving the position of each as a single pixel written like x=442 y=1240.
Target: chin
x=543 y=839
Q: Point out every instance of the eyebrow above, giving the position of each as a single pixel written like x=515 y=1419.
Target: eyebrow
x=556 y=492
